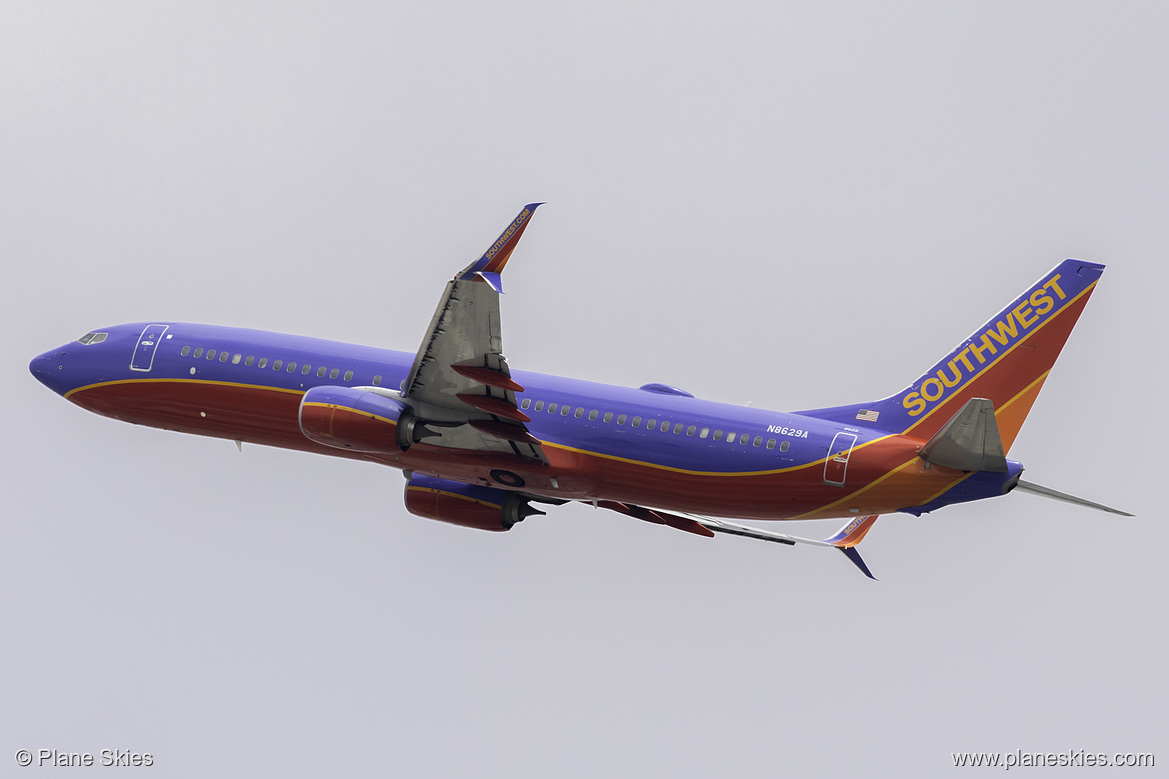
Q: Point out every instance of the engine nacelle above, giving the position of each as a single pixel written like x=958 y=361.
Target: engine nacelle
x=351 y=418
x=468 y=505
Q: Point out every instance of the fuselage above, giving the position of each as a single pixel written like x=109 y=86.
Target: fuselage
x=653 y=446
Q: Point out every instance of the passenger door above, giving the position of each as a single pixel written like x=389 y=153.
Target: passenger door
x=836 y=465
x=146 y=347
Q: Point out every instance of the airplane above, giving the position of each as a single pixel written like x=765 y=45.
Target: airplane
x=482 y=446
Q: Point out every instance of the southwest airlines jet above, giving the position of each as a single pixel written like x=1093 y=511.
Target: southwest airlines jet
x=481 y=445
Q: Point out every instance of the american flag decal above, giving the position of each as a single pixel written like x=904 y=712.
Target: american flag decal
x=868 y=416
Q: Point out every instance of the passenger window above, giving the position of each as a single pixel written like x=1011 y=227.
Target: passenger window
x=704 y=432
x=551 y=408
x=263 y=362
x=539 y=405
x=579 y=412
x=593 y=415
x=377 y=380
x=690 y=430
x=651 y=424
x=784 y=446
x=636 y=422
x=235 y=360
x=730 y=438
x=199 y=352
x=304 y=371
x=770 y=443
x=321 y=372
x=186 y=351
x=210 y=354
x=276 y=365
x=718 y=435
x=757 y=440
x=348 y=375
x=608 y=417
x=743 y=438
x=678 y=428
x=527 y=402
x=620 y=419
x=564 y=410
x=291 y=367
x=250 y=360
x=223 y=356
x=334 y=373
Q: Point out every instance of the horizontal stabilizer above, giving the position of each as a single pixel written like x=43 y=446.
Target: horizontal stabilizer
x=969 y=441
x=1045 y=492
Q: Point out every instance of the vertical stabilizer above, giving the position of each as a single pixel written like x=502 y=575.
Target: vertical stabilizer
x=1005 y=361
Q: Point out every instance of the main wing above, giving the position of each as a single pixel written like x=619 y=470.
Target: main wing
x=460 y=387
x=846 y=539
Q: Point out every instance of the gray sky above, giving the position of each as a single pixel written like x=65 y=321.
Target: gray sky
x=788 y=205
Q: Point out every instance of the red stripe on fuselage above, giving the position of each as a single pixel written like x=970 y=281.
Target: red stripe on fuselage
x=883 y=475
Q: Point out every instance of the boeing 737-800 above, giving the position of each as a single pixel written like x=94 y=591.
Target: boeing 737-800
x=481 y=445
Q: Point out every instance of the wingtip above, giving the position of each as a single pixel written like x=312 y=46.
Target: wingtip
x=855 y=557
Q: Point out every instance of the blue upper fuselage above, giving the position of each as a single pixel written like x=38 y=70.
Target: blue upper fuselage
x=668 y=429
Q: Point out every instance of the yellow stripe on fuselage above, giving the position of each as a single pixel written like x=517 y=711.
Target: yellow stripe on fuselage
x=814 y=463
x=184 y=381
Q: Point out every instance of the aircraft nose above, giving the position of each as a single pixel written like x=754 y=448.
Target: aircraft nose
x=49 y=369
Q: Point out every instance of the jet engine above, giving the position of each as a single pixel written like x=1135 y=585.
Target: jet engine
x=468 y=505
x=351 y=418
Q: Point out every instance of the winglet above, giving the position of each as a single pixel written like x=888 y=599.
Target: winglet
x=849 y=536
x=852 y=554
x=488 y=267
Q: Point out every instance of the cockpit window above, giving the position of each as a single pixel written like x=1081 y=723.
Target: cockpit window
x=92 y=338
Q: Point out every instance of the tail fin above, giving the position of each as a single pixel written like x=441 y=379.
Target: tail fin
x=1005 y=361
